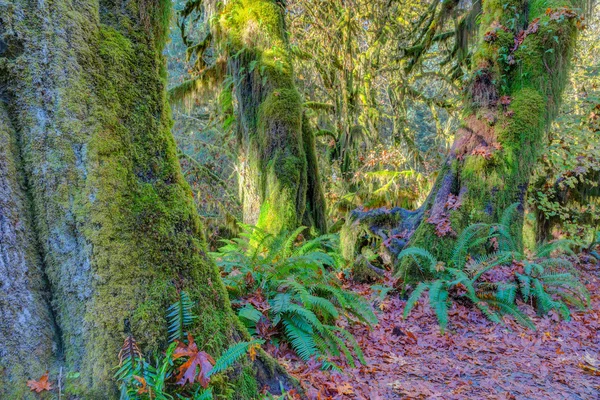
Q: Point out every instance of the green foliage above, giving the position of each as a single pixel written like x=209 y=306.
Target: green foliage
x=564 y=193
x=180 y=315
x=287 y=290
x=149 y=378
x=487 y=269
x=552 y=283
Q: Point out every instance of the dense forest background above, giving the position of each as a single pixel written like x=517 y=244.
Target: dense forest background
x=382 y=131
x=269 y=199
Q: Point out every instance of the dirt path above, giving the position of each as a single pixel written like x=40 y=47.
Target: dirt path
x=409 y=359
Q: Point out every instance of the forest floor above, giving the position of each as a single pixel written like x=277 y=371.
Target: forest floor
x=476 y=359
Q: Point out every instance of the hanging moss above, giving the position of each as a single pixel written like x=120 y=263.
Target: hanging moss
x=274 y=181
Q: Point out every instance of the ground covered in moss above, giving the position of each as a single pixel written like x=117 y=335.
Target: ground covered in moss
x=476 y=359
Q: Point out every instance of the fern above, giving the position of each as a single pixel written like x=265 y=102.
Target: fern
x=438 y=299
x=562 y=245
x=298 y=280
x=204 y=394
x=417 y=253
x=352 y=340
x=232 y=355
x=180 y=315
x=463 y=244
x=547 y=282
x=414 y=297
x=302 y=341
x=511 y=309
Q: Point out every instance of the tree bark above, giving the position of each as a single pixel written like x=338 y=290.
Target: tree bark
x=519 y=71
x=114 y=228
x=28 y=341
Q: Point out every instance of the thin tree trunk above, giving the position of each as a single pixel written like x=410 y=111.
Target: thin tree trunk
x=114 y=218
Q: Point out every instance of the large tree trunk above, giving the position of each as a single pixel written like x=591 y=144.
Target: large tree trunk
x=279 y=180
x=114 y=224
x=28 y=341
x=520 y=68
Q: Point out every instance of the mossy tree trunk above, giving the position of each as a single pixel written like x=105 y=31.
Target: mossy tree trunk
x=279 y=181
x=93 y=205
x=520 y=68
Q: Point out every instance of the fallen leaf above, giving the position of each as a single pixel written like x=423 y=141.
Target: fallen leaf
x=188 y=371
x=39 y=385
x=142 y=381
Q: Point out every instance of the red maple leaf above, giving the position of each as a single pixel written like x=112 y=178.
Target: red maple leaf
x=39 y=385
x=198 y=365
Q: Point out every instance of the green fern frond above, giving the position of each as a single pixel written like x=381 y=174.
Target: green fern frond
x=232 y=355
x=491 y=314
x=322 y=305
x=280 y=303
x=511 y=309
x=524 y=285
x=204 y=394
x=487 y=262
x=352 y=340
x=250 y=313
x=356 y=306
x=302 y=341
x=570 y=298
x=307 y=315
x=559 y=265
x=332 y=293
x=461 y=248
x=414 y=297
x=506 y=292
x=180 y=315
x=418 y=253
x=297 y=288
x=337 y=346
x=438 y=300
x=562 y=245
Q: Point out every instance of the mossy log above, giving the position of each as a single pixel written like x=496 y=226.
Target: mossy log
x=94 y=207
x=519 y=74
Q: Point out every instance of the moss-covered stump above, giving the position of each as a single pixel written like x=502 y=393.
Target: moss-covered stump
x=113 y=219
x=380 y=233
x=514 y=94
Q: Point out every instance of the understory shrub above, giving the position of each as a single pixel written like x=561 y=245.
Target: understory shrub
x=182 y=371
x=489 y=271
x=286 y=290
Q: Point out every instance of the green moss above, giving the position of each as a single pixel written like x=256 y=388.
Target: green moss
x=274 y=181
